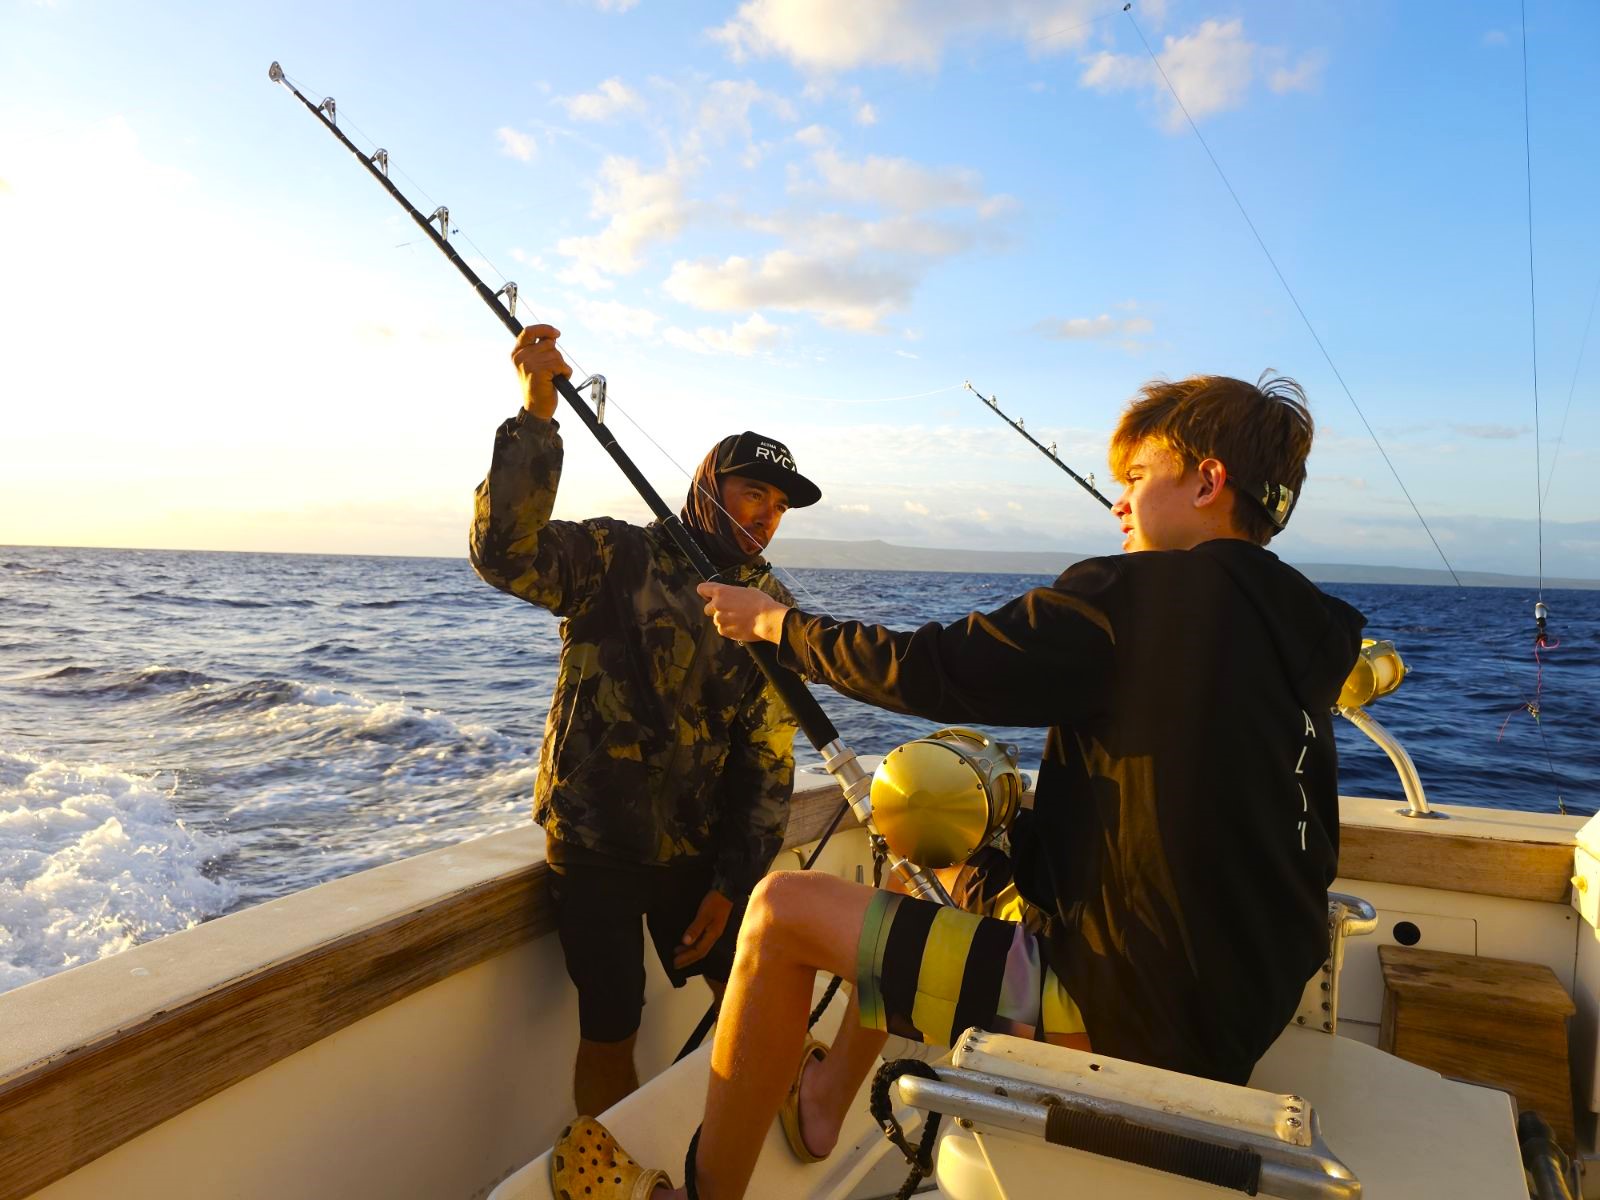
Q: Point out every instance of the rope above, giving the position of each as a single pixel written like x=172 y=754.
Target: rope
x=920 y=1157
x=689 y=1168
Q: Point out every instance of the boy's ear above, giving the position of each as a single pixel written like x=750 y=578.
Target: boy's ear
x=1213 y=476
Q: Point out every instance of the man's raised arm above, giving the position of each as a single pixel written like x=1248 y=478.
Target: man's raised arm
x=513 y=544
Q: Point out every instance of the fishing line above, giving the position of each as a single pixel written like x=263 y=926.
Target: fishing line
x=1530 y=705
x=1239 y=204
x=716 y=502
x=1533 y=302
x=521 y=305
x=838 y=759
x=1583 y=345
x=1539 y=642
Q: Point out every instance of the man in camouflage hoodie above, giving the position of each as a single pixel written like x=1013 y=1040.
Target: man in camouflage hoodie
x=666 y=769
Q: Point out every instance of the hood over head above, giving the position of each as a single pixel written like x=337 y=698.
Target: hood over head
x=748 y=454
x=705 y=518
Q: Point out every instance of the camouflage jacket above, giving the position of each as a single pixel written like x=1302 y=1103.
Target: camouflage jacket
x=663 y=739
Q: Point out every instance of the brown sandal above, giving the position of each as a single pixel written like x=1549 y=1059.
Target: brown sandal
x=789 y=1114
x=587 y=1164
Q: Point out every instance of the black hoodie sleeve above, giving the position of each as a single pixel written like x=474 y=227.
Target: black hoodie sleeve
x=1043 y=659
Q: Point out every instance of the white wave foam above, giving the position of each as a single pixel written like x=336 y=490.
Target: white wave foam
x=354 y=735
x=92 y=861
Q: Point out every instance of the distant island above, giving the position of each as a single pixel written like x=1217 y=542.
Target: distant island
x=882 y=556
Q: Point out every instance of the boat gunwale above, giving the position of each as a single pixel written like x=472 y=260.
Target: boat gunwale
x=113 y=1048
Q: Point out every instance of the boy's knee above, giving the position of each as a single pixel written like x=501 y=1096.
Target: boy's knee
x=774 y=904
x=805 y=919
x=783 y=907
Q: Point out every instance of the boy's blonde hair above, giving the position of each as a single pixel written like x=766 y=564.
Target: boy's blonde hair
x=1261 y=432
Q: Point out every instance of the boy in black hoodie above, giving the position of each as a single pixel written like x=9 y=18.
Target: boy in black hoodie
x=1185 y=824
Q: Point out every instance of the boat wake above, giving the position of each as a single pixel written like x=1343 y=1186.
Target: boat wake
x=92 y=861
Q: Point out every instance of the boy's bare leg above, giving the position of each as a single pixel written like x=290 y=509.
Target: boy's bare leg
x=797 y=924
x=828 y=1088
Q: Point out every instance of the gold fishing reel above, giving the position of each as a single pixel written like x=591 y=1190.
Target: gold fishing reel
x=939 y=799
x=1378 y=671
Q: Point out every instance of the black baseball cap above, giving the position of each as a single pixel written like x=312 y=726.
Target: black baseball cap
x=768 y=460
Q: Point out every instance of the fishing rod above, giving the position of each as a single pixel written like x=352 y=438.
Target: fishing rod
x=1048 y=451
x=837 y=758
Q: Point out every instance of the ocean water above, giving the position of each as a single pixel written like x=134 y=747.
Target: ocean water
x=186 y=734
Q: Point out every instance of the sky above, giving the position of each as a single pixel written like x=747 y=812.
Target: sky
x=817 y=219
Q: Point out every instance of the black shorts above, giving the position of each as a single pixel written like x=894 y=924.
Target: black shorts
x=598 y=902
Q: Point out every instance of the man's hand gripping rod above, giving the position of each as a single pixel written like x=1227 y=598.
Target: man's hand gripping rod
x=837 y=758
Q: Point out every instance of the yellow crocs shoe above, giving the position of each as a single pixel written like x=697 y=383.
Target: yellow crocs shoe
x=587 y=1164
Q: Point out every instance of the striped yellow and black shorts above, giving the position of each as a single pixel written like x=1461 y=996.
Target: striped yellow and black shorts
x=928 y=972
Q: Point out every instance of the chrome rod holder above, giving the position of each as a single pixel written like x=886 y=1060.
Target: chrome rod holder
x=1416 y=801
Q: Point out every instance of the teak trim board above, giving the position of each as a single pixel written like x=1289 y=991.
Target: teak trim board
x=1432 y=858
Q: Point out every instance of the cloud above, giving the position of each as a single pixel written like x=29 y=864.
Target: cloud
x=616 y=6
x=1211 y=70
x=1492 y=433
x=1087 y=329
x=852 y=508
x=896 y=183
x=741 y=339
x=849 y=270
x=517 y=145
x=916 y=509
x=614 y=319
x=608 y=100
x=839 y=35
x=726 y=106
x=850 y=295
x=840 y=236
x=643 y=208
x=1304 y=76
x=1494 y=37
x=866 y=115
